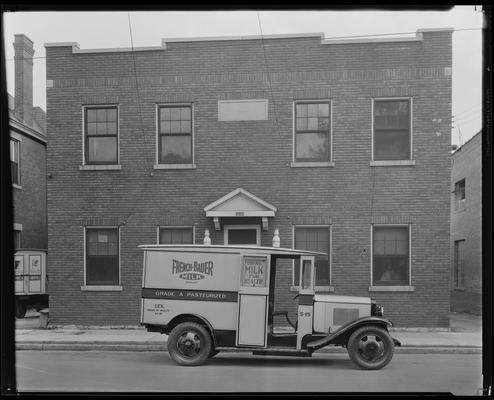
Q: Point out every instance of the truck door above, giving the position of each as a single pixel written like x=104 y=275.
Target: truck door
x=253 y=300
x=305 y=298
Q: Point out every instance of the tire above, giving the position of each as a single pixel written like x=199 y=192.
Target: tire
x=370 y=347
x=189 y=344
x=20 y=309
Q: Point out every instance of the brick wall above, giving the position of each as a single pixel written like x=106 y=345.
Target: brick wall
x=466 y=224
x=254 y=155
x=30 y=199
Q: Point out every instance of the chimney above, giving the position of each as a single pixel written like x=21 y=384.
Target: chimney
x=24 y=52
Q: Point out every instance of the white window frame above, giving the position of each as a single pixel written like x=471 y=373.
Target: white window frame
x=103 y=288
x=226 y=228
x=17 y=144
x=302 y=164
x=157 y=164
x=325 y=288
x=176 y=227
x=84 y=165
x=400 y=288
x=410 y=161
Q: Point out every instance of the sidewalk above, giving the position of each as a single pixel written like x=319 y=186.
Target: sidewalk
x=464 y=336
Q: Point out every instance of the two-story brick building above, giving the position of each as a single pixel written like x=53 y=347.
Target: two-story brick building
x=27 y=125
x=342 y=146
x=466 y=227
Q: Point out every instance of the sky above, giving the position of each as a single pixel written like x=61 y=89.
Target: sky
x=94 y=30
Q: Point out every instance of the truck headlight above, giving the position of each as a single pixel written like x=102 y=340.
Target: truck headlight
x=377 y=310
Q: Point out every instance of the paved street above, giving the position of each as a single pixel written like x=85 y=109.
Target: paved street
x=241 y=372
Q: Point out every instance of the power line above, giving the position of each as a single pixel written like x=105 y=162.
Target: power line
x=325 y=38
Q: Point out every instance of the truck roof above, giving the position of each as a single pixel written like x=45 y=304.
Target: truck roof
x=231 y=249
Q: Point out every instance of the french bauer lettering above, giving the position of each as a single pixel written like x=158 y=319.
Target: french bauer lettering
x=192 y=271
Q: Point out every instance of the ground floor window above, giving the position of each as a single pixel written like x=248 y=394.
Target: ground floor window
x=17 y=238
x=459 y=260
x=176 y=235
x=102 y=256
x=390 y=264
x=314 y=238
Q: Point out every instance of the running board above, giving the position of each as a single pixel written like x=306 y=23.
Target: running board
x=282 y=352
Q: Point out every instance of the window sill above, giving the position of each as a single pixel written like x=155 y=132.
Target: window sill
x=16 y=186
x=318 y=289
x=100 y=167
x=174 y=166
x=391 y=288
x=96 y=288
x=311 y=164
x=392 y=163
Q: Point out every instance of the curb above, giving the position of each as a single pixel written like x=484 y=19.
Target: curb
x=131 y=346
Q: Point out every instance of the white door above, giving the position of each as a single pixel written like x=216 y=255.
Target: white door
x=253 y=301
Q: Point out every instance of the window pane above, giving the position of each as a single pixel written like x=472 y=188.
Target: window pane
x=312 y=124
x=390 y=266
x=301 y=110
x=102 y=149
x=17 y=239
x=111 y=128
x=165 y=127
x=185 y=127
x=324 y=110
x=306 y=274
x=175 y=114
x=176 y=236
x=101 y=115
x=102 y=270
x=242 y=236
x=312 y=110
x=323 y=124
x=101 y=128
x=390 y=270
x=111 y=114
x=14 y=151
x=175 y=127
x=391 y=145
x=14 y=168
x=312 y=146
x=391 y=114
x=301 y=124
x=91 y=128
x=91 y=115
x=185 y=114
x=176 y=149
x=164 y=113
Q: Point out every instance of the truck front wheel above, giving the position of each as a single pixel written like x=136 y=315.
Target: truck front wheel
x=370 y=347
x=189 y=344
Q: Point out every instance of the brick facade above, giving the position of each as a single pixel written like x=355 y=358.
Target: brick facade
x=466 y=224
x=350 y=195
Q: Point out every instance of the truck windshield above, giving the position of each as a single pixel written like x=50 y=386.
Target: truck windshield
x=306 y=274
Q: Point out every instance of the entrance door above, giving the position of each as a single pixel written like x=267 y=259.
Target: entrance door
x=253 y=301
x=242 y=235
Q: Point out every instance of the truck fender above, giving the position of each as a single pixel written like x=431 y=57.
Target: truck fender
x=193 y=318
x=341 y=335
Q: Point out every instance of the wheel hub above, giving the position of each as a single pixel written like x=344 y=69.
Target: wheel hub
x=189 y=344
x=371 y=347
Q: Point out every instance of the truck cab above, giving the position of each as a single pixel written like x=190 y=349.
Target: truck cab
x=221 y=298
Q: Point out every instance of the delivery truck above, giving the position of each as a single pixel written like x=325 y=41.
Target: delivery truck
x=210 y=298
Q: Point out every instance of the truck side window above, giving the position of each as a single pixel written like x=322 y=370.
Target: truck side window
x=306 y=278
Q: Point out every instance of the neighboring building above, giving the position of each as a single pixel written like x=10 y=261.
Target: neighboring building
x=343 y=146
x=27 y=126
x=466 y=227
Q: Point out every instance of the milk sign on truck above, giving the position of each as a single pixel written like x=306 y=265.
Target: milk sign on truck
x=213 y=298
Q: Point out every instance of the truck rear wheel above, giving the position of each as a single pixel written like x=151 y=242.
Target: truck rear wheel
x=189 y=344
x=370 y=347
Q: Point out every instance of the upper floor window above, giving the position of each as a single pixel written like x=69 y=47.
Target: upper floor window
x=101 y=135
x=15 y=161
x=175 y=134
x=390 y=264
x=102 y=256
x=314 y=238
x=312 y=131
x=392 y=129
x=176 y=235
x=459 y=262
x=460 y=195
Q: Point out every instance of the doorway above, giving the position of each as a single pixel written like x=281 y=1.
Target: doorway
x=242 y=235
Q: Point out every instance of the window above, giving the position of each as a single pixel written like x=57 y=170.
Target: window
x=176 y=235
x=392 y=130
x=391 y=255
x=460 y=195
x=15 y=162
x=314 y=239
x=101 y=135
x=175 y=134
x=459 y=262
x=312 y=131
x=242 y=235
x=102 y=256
x=17 y=239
